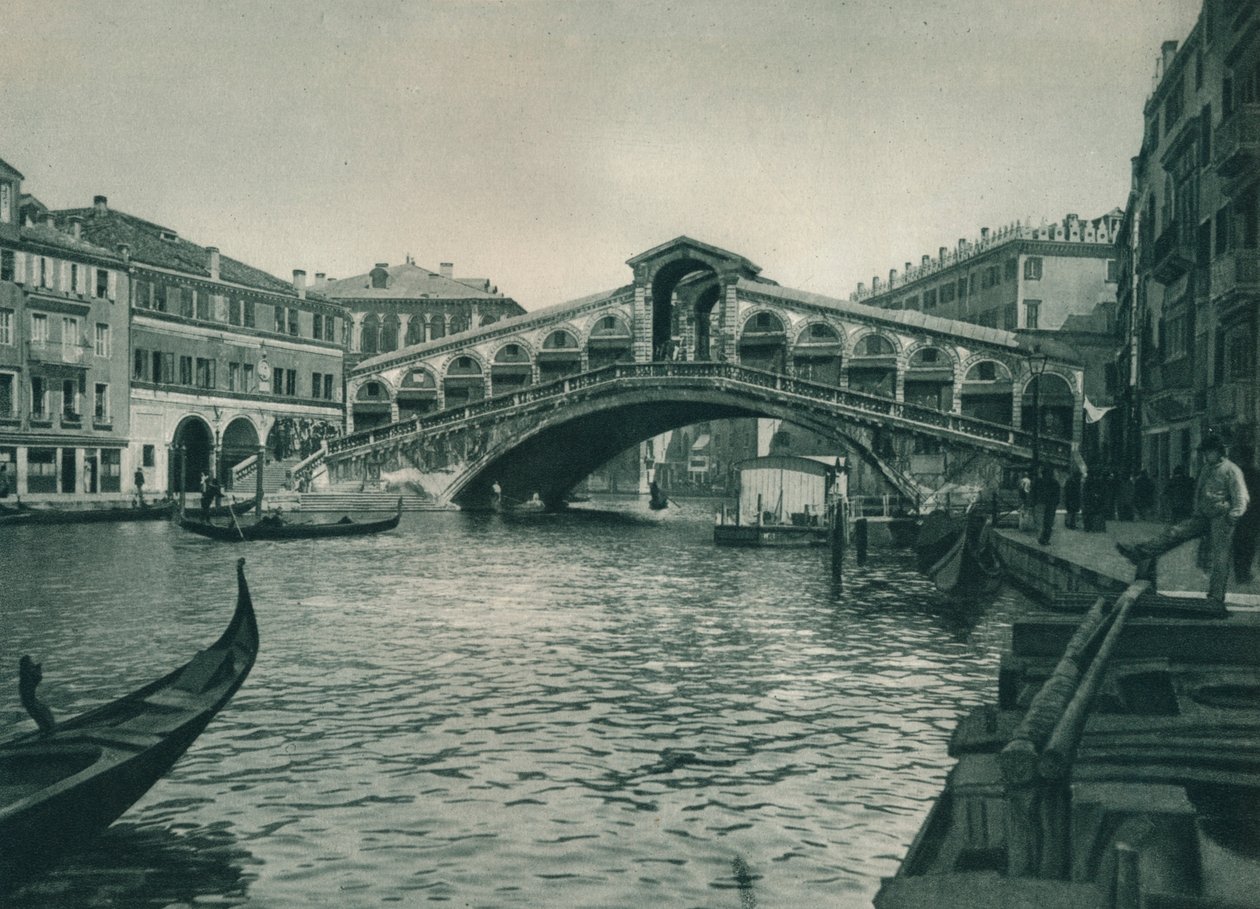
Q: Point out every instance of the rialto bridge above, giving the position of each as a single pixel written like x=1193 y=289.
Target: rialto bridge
x=538 y=401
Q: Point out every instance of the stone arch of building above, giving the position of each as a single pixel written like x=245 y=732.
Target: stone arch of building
x=836 y=328
x=859 y=338
x=501 y=354
x=950 y=351
x=193 y=441
x=565 y=328
x=620 y=319
x=965 y=367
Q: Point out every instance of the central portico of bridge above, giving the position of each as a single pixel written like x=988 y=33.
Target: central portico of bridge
x=538 y=401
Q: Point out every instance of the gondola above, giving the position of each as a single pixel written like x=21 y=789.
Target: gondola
x=238 y=508
x=657 y=500
x=958 y=553
x=158 y=511
x=273 y=527
x=60 y=788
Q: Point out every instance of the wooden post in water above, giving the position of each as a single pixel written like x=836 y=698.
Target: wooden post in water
x=258 y=479
x=861 y=532
x=837 y=537
x=180 y=476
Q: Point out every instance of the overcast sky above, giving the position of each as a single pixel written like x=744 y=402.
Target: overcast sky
x=541 y=143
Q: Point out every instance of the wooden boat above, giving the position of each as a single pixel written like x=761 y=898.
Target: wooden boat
x=958 y=553
x=60 y=788
x=238 y=508
x=273 y=527
x=158 y=511
x=657 y=500
x=1119 y=767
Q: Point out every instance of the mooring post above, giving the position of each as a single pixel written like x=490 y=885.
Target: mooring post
x=861 y=532
x=258 y=479
x=837 y=535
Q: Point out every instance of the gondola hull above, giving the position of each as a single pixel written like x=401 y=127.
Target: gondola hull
x=238 y=531
x=158 y=512
x=958 y=554
x=58 y=790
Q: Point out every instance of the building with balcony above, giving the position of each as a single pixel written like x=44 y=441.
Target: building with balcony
x=222 y=358
x=1189 y=249
x=64 y=419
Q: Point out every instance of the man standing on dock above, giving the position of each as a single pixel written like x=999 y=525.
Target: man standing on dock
x=1046 y=501
x=1220 y=498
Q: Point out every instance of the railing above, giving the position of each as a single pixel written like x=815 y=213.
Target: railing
x=304 y=468
x=48 y=352
x=244 y=470
x=620 y=373
x=1237 y=139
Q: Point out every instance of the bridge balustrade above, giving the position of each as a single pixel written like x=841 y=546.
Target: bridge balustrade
x=874 y=404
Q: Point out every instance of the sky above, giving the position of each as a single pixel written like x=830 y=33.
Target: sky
x=541 y=143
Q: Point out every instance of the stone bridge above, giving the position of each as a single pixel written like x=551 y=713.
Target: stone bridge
x=538 y=401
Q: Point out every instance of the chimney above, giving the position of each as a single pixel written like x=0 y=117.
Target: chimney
x=861 y=288
x=76 y=226
x=927 y=260
x=906 y=271
x=319 y=278
x=984 y=235
x=1167 y=51
x=892 y=277
x=214 y=262
x=100 y=205
x=875 y=284
x=447 y=269
x=962 y=244
x=940 y=254
x=299 y=282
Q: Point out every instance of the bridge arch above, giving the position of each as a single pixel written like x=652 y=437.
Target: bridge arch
x=1056 y=399
x=511 y=367
x=463 y=379
x=873 y=362
x=818 y=352
x=931 y=374
x=609 y=340
x=987 y=390
x=763 y=340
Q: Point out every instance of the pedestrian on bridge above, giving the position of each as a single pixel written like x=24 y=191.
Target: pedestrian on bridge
x=1220 y=499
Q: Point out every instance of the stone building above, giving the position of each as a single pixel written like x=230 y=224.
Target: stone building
x=222 y=357
x=1190 y=249
x=64 y=421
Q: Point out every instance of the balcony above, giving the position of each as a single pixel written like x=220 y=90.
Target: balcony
x=1237 y=142
x=1236 y=275
x=1173 y=256
x=1231 y=401
x=46 y=352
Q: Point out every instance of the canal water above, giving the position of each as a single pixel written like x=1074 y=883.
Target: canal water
x=576 y=710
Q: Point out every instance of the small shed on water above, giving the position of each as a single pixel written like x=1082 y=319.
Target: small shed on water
x=788 y=487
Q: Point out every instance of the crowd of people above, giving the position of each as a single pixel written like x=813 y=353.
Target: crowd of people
x=1220 y=507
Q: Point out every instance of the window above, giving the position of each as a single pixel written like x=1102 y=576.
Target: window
x=142 y=293
x=986 y=371
x=290 y=382
x=102 y=339
x=41 y=470
x=45 y=272
x=102 y=283
x=69 y=337
x=74 y=278
x=7 y=261
x=277 y=381
x=187 y=302
x=1222 y=231
x=147 y=455
x=6 y=202
x=234 y=311
x=929 y=299
x=201 y=305
x=160 y=302
x=1011 y=266
x=280 y=319
x=6 y=326
x=962 y=288
x=185 y=370
x=1239 y=355
x=69 y=398
x=328 y=386
x=1175 y=341
x=6 y=395
x=234 y=377
x=247 y=377
x=1112 y=272
x=247 y=313
x=1032 y=268
x=140 y=365
x=1010 y=317
x=100 y=409
x=39 y=328
x=1032 y=314
x=205 y=373
x=111 y=470
x=293 y=322
x=317 y=327
x=317 y=384
x=947 y=293
x=39 y=398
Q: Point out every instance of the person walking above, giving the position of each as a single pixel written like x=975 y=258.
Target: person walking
x=1046 y=498
x=1220 y=499
x=139 y=481
x=1025 y=502
x=1247 y=530
x=1071 y=498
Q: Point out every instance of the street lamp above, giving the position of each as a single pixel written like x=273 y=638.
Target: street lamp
x=1037 y=367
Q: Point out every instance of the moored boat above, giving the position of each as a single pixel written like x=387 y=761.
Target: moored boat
x=958 y=553
x=274 y=527
x=62 y=786
x=157 y=511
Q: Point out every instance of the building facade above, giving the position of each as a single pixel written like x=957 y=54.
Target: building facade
x=1190 y=248
x=222 y=358
x=64 y=418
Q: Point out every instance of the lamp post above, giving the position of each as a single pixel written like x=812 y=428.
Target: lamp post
x=1037 y=367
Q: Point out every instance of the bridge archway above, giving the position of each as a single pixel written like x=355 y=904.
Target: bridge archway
x=561 y=355
x=873 y=365
x=372 y=405
x=1057 y=404
x=194 y=437
x=417 y=394
x=464 y=381
x=818 y=355
x=511 y=369
x=986 y=392
x=609 y=341
x=763 y=342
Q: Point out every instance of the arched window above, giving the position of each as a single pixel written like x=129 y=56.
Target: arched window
x=875 y=346
x=560 y=340
x=370 y=335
